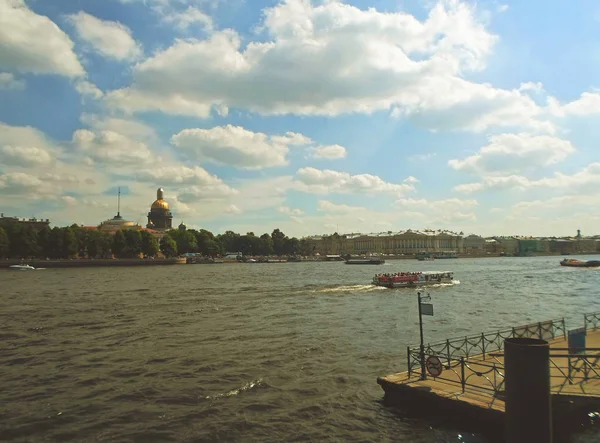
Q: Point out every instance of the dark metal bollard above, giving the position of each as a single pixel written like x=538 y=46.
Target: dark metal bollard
x=528 y=400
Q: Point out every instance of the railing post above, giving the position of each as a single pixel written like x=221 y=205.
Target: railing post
x=569 y=369
x=513 y=332
x=586 y=369
x=462 y=373
x=564 y=329
x=467 y=346
x=483 y=344
x=540 y=332
x=448 y=350
x=408 y=360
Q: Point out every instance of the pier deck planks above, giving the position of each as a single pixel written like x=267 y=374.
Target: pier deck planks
x=475 y=394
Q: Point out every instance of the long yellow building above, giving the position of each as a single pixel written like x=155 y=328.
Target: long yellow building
x=404 y=242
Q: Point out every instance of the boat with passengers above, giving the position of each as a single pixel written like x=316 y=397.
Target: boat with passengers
x=413 y=279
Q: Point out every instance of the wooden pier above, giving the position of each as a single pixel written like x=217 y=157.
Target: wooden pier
x=465 y=376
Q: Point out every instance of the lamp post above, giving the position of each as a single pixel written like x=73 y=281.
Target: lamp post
x=422 y=345
x=427 y=311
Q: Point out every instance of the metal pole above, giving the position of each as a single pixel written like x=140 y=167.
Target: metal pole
x=422 y=346
x=527 y=380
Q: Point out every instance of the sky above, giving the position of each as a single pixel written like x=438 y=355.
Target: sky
x=312 y=117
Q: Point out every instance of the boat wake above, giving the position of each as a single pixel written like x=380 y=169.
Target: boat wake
x=247 y=387
x=350 y=288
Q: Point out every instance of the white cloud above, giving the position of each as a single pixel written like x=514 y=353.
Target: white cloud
x=383 y=61
x=88 y=89
x=588 y=103
x=130 y=128
x=111 y=39
x=23 y=185
x=329 y=152
x=422 y=157
x=584 y=181
x=9 y=82
x=33 y=43
x=509 y=153
x=25 y=146
x=411 y=180
x=235 y=146
x=324 y=181
x=203 y=184
x=446 y=205
x=532 y=86
x=290 y=211
x=68 y=200
x=327 y=206
x=182 y=20
x=233 y=209
x=111 y=147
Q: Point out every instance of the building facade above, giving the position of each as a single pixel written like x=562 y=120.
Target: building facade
x=36 y=223
x=397 y=243
x=474 y=244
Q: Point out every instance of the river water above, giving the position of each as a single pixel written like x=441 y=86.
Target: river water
x=247 y=352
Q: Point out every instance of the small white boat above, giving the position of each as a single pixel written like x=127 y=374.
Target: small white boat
x=22 y=267
x=413 y=279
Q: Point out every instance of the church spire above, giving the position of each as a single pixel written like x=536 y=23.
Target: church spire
x=119 y=203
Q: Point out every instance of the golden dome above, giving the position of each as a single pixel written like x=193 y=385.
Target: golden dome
x=160 y=204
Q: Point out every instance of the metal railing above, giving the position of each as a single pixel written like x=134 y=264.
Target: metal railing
x=484 y=343
x=575 y=372
x=591 y=320
x=478 y=375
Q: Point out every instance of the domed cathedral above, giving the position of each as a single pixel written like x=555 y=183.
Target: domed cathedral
x=160 y=217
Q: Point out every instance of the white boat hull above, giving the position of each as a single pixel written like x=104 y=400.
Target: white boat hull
x=413 y=284
x=22 y=268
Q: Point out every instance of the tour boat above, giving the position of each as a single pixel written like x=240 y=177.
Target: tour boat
x=22 y=267
x=413 y=279
x=580 y=264
x=365 y=261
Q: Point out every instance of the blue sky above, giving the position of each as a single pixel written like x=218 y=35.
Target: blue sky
x=309 y=116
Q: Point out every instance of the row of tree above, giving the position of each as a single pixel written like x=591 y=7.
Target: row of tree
x=20 y=240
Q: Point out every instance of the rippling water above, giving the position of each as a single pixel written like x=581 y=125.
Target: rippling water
x=247 y=352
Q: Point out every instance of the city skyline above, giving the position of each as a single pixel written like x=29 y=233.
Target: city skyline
x=311 y=117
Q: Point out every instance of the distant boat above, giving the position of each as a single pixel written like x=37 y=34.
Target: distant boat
x=22 y=267
x=580 y=264
x=365 y=261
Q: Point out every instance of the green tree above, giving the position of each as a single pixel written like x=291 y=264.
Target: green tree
x=23 y=241
x=98 y=244
x=305 y=247
x=212 y=248
x=168 y=246
x=119 y=244
x=149 y=244
x=4 y=243
x=249 y=244
x=70 y=245
x=43 y=237
x=266 y=245
x=185 y=240
x=230 y=241
x=55 y=243
x=133 y=241
x=278 y=241
x=290 y=245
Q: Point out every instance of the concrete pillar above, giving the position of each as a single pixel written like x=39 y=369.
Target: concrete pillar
x=527 y=386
